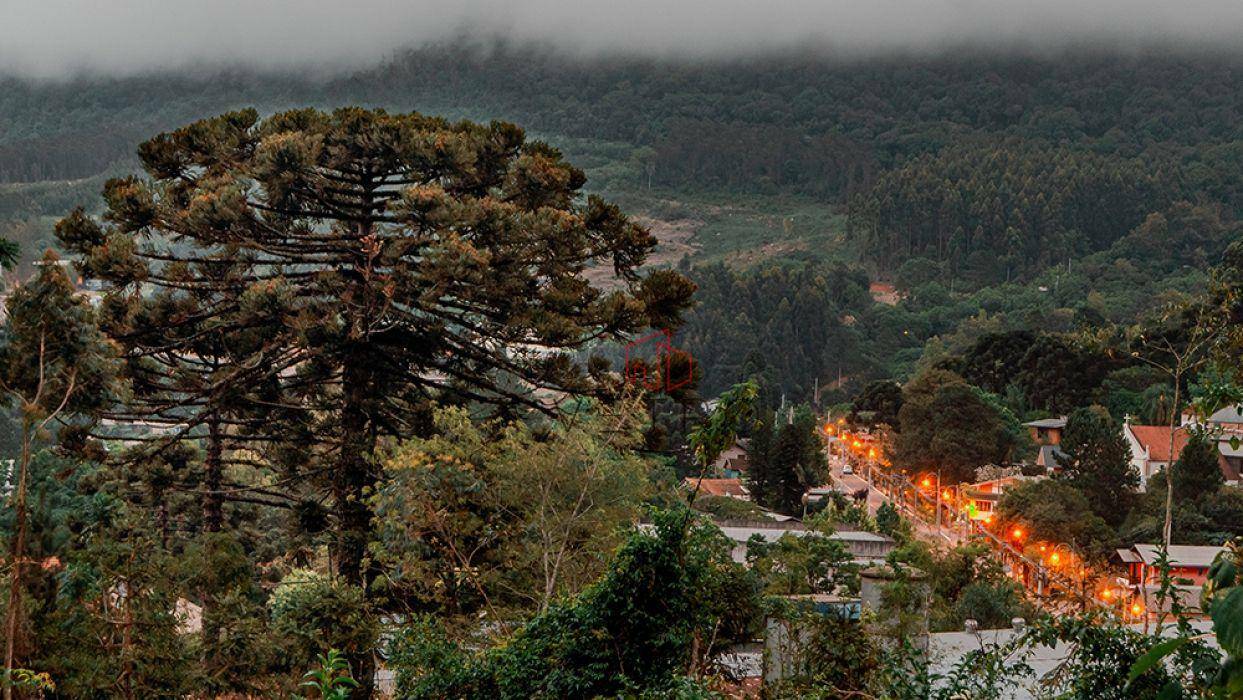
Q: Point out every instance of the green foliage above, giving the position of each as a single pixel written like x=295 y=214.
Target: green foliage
x=1098 y=463
x=331 y=679
x=889 y=522
x=497 y=517
x=1057 y=512
x=784 y=467
x=829 y=657
x=791 y=317
x=798 y=565
x=720 y=430
x=313 y=613
x=369 y=323
x=1053 y=373
x=1211 y=519
x=1024 y=206
x=1197 y=474
x=1206 y=671
x=1101 y=659
x=947 y=424
x=966 y=583
x=630 y=631
x=119 y=580
x=878 y=403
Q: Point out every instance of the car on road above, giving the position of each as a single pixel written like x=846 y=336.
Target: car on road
x=847 y=469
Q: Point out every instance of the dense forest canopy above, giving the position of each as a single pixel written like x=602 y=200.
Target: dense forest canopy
x=997 y=190
x=881 y=110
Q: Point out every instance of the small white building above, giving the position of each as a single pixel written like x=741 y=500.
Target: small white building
x=864 y=547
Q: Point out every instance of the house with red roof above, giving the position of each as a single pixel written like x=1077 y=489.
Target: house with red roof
x=1150 y=451
x=732 y=488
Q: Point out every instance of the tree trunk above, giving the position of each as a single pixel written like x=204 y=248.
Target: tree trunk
x=1167 y=531
x=355 y=474
x=213 y=521
x=213 y=500
x=17 y=553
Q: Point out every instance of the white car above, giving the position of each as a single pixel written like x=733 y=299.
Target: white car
x=847 y=469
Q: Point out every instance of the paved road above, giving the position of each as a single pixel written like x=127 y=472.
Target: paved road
x=851 y=483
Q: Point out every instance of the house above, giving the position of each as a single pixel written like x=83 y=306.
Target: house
x=1190 y=562
x=980 y=499
x=884 y=293
x=1150 y=451
x=732 y=488
x=1046 y=431
x=1050 y=458
x=864 y=547
x=1228 y=420
x=732 y=462
x=1189 y=565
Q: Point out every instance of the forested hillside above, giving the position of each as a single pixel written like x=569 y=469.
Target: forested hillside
x=997 y=192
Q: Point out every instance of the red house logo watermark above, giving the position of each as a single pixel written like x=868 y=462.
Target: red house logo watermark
x=654 y=364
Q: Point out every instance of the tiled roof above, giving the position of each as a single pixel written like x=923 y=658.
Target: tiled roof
x=1156 y=438
x=719 y=487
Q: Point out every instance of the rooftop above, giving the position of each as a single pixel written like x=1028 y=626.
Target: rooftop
x=772 y=534
x=719 y=487
x=1156 y=439
x=1047 y=423
x=1186 y=555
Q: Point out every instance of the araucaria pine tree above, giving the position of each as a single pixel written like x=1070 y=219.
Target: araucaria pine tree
x=392 y=260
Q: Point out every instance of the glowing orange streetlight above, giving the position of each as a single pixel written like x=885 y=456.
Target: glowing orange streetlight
x=1136 y=609
x=1055 y=559
x=946 y=494
x=926 y=483
x=872 y=453
x=1107 y=594
x=1017 y=533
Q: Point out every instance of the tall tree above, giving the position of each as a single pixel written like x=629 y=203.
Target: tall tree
x=878 y=403
x=1197 y=474
x=947 y=424
x=400 y=260
x=797 y=462
x=54 y=363
x=1098 y=463
x=761 y=479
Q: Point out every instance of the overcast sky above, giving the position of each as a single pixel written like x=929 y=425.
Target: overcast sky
x=49 y=38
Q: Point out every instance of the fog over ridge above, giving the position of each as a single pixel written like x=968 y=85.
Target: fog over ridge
x=51 y=38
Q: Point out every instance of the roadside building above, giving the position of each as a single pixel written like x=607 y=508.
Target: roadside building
x=980 y=499
x=1050 y=458
x=1150 y=451
x=733 y=461
x=1188 y=562
x=1046 y=431
x=1227 y=420
x=1189 y=565
x=864 y=547
x=733 y=488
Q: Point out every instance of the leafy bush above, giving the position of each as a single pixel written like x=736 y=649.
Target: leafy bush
x=314 y=613
x=635 y=631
